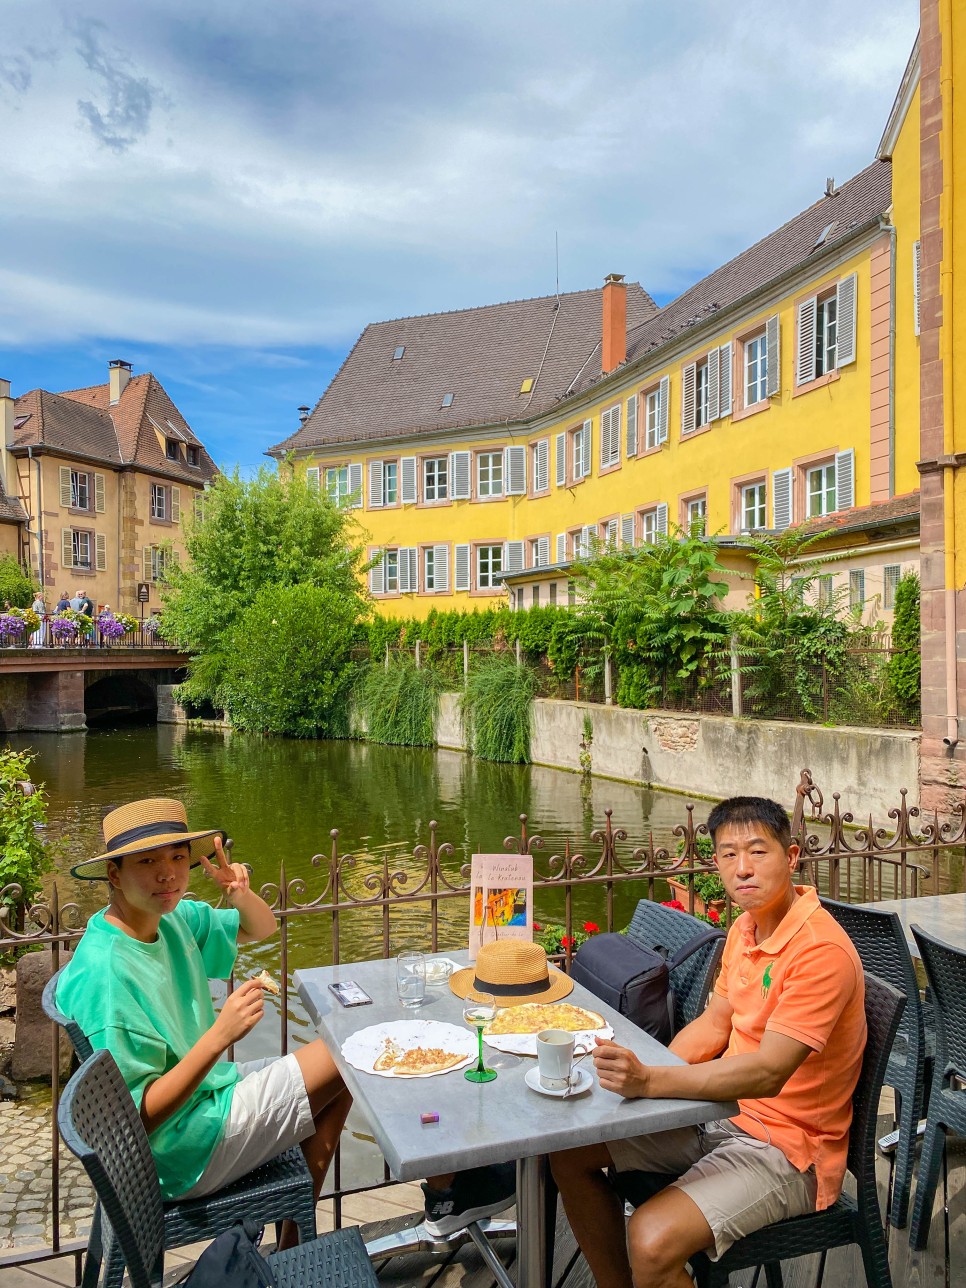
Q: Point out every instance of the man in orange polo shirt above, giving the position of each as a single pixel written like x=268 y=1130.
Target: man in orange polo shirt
x=787 y=1016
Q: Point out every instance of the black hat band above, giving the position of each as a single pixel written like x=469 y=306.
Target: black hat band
x=511 y=990
x=143 y=832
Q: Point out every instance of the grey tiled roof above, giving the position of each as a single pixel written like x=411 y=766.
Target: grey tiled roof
x=11 y=511
x=481 y=356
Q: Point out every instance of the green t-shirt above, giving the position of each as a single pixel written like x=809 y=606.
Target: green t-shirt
x=148 y=1004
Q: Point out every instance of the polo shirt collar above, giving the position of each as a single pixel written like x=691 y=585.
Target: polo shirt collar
x=790 y=924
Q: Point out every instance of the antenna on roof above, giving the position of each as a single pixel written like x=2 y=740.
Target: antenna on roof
x=556 y=246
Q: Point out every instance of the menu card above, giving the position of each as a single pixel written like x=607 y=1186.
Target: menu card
x=501 y=899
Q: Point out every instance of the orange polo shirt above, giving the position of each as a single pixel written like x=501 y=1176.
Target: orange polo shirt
x=805 y=981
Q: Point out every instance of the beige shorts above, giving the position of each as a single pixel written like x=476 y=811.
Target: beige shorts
x=269 y=1113
x=739 y=1184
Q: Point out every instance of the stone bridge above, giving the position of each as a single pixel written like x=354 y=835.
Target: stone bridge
x=58 y=690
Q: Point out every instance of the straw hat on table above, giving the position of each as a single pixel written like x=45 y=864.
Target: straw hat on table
x=146 y=825
x=515 y=972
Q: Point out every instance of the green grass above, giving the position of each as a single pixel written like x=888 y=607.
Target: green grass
x=399 y=705
x=497 y=709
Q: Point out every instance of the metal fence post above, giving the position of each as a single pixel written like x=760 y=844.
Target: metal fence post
x=466 y=663
x=386 y=662
x=519 y=653
x=608 y=680
x=735 y=679
x=418 y=653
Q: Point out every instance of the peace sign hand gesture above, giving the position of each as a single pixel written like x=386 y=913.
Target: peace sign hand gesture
x=232 y=877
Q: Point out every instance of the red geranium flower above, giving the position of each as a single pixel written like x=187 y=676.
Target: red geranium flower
x=537 y=926
x=674 y=903
x=714 y=916
x=591 y=927
x=566 y=941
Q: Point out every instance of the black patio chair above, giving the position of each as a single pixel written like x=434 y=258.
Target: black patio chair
x=881 y=944
x=946 y=971
x=279 y=1190
x=654 y=926
x=100 y=1124
x=848 y=1220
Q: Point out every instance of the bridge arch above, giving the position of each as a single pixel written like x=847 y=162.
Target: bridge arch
x=120 y=694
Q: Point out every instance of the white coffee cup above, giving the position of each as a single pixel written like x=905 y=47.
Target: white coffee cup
x=555 y=1057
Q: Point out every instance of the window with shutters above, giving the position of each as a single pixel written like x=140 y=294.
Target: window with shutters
x=754 y=506
x=610 y=437
x=80 y=491
x=390 y=572
x=701 y=391
x=580 y=445
x=857 y=590
x=694 y=512
x=489 y=567
x=825 y=334
x=159 y=502
x=756 y=370
x=820 y=491
x=390 y=482
x=489 y=474
x=157 y=560
x=540 y=466
x=891 y=574
x=80 y=548
x=435 y=478
x=429 y=568
x=337 y=484
x=538 y=551
x=705 y=390
x=652 y=419
x=652 y=521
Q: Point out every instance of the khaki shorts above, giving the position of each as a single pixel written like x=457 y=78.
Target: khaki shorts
x=738 y=1183
x=269 y=1113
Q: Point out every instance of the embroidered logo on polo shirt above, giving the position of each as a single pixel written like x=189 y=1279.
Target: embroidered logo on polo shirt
x=766 y=980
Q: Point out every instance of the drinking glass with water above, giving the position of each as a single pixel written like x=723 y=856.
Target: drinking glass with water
x=411 y=978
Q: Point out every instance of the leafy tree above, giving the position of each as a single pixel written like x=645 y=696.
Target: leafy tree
x=16 y=583
x=265 y=534
x=287 y=662
x=23 y=855
x=905 y=666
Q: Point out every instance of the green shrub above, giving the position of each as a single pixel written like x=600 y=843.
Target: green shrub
x=16 y=584
x=23 y=855
x=497 y=710
x=399 y=703
x=905 y=666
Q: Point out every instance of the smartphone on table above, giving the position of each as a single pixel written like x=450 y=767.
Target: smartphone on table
x=349 y=993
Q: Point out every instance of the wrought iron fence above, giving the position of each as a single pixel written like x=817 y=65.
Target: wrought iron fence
x=845 y=857
x=45 y=640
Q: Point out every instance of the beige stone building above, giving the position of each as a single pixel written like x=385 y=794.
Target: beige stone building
x=101 y=477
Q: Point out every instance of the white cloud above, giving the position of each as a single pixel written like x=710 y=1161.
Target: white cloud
x=281 y=176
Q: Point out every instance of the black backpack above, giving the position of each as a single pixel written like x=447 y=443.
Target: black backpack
x=635 y=981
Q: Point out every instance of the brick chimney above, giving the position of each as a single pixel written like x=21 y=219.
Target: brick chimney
x=120 y=374
x=7 y=418
x=614 y=332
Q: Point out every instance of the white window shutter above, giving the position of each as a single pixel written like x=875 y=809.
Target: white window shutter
x=627 y=529
x=587 y=439
x=441 y=567
x=65 y=486
x=515 y=468
x=377 y=574
x=375 y=485
x=513 y=556
x=664 y=397
x=610 y=532
x=407 y=480
x=773 y=360
x=462 y=567
x=541 y=465
x=724 y=380
x=66 y=547
x=845 y=479
x=845 y=320
x=413 y=558
x=543 y=552
x=561 y=460
x=916 y=274
x=99 y=504
x=661 y=524
x=312 y=478
x=561 y=547
x=610 y=436
x=459 y=473
x=781 y=493
x=402 y=565
x=714 y=375
x=630 y=427
x=805 y=341
x=176 y=505
x=355 y=485
x=587 y=535
x=687 y=399
x=100 y=548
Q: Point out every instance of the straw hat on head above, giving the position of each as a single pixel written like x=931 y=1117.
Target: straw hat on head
x=146 y=825
x=515 y=972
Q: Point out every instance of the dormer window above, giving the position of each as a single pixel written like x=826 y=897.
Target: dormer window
x=171 y=449
x=398 y=352
x=447 y=400
x=194 y=457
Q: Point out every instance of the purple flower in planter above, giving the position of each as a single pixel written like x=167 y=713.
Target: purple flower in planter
x=110 y=628
x=10 y=625
x=62 y=628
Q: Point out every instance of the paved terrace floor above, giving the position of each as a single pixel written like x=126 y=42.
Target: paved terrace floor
x=382 y=1210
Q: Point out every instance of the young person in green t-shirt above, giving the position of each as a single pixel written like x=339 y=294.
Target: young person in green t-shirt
x=137 y=985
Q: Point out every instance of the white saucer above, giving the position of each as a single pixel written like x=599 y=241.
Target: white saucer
x=583 y=1082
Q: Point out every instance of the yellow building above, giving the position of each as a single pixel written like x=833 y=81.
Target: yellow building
x=102 y=476
x=486 y=448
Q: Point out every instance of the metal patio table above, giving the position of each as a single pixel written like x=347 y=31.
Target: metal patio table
x=493 y=1122
x=940 y=915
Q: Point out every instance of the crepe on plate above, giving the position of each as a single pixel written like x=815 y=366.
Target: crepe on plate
x=416 y=1060
x=533 y=1017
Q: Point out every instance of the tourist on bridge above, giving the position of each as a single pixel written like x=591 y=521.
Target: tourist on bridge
x=137 y=984
x=63 y=603
x=87 y=605
x=40 y=608
x=77 y=600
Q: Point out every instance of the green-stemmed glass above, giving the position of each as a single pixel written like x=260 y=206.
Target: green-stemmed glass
x=478 y=1010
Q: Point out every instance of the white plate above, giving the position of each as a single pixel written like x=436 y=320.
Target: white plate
x=526 y=1043
x=582 y=1082
x=363 y=1048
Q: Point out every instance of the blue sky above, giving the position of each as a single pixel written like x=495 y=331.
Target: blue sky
x=225 y=194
